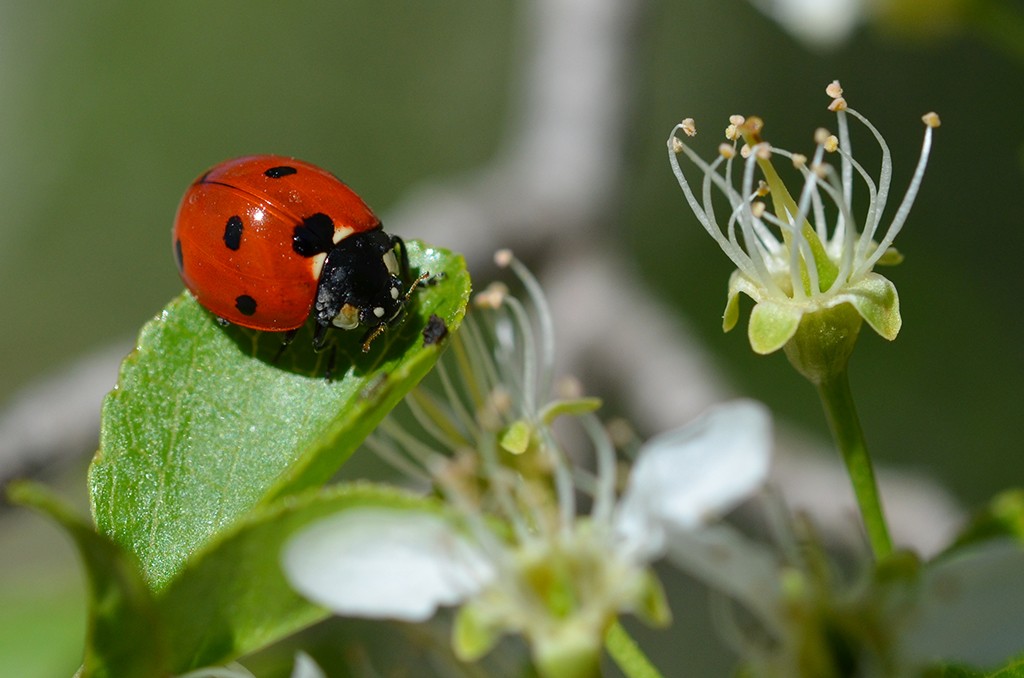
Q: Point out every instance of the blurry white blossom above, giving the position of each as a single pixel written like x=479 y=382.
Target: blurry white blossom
x=817 y=23
x=512 y=549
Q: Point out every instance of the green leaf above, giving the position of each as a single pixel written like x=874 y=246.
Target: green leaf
x=237 y=583
x=125 y=637
x=208 y=422
x=1013 y=669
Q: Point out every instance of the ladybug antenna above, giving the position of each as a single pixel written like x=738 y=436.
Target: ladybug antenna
x=424 y=277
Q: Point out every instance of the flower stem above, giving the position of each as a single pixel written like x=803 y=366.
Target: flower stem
x=842 y=419
x=628 y=656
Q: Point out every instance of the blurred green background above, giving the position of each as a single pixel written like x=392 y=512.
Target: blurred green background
x=110 y=109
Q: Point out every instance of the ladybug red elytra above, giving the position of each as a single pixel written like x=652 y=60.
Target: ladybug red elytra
x=267 y=242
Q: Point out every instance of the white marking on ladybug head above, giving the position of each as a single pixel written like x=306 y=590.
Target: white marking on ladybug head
x=379 y=311
x=316 y=264
x=347 y=318
x=391 y=262
x=395 y=292
x=340 y=233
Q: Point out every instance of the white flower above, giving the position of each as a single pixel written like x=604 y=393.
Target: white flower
x=685 y=478
x=514 y=553
x=802 y=617
x=381 y=562
x=824 y=24
x=968 y=609
x=818 y=23
x=807 y=253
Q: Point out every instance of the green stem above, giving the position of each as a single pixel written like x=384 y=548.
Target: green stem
x=628 y=656
x=842 y=419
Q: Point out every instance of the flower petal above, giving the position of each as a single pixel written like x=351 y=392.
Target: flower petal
x=306 y=667
x=970 y=608
x=818 y=23
x=685 y=477
x=876 y=300
x=772 y=325
x=725 y=559
x=377 y=562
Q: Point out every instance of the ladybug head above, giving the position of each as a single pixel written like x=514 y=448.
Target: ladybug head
x=361 y=285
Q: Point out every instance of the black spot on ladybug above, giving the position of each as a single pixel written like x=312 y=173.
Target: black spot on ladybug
x=178 y=256
x=278 y=172
x=314 y=236
x=435 y=331
x=233 y=233
x=245 y=304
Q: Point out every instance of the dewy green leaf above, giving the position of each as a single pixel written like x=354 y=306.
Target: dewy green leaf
x=240 y=617
x=208 y=422
x=125 y=638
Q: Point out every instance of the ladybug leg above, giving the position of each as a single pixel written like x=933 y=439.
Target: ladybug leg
x=320 y=336
x=332 y=361
x=286 y=339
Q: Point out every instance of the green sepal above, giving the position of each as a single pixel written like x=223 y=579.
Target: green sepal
x=651 y=605
x=738 y=283
x=891 y=257
x=877 y=301
x=473 y=636
x=820 y=349
x=772 y=325
x=515 y=438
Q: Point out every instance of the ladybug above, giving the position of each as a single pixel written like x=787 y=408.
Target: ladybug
x=267 y=242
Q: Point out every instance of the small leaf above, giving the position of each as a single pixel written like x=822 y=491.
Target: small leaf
x=125 y=638
x=207 y=422
x=237 y=583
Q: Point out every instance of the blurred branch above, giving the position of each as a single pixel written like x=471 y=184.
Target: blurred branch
x=552 y=194
x=57 y=417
